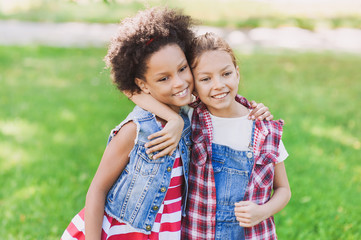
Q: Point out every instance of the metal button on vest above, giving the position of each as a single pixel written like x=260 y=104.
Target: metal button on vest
x=249 y=155
x=148 y=228
x=163 y=189
x=155 y=208
x=169 y=169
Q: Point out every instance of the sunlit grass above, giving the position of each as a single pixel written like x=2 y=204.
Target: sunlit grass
x=318 y=96
x=58 y=106
x=230 y=13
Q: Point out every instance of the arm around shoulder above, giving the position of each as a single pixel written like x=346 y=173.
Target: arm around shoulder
x=167 y=139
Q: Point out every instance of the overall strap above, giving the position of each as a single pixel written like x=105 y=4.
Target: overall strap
x=250 y=146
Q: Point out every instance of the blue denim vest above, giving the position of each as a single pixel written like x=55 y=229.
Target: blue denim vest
x=232 y=171
x=138 y=193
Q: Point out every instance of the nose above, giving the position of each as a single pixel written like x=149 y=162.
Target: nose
x=178 y=81
x=218 y=83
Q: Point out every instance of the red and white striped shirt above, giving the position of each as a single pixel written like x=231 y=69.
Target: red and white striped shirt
x=167 y=223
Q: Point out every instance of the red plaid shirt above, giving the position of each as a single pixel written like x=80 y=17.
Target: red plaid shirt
x=201 y=207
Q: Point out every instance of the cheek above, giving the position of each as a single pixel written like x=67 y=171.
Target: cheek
x=200 y=90
x=197 y=88
x=190 y=80
x=236 y=84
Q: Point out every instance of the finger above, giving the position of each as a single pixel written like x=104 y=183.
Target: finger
x=244 y=220
x=269 y=118
x=158 y=147
x=256 y=108
x=164 y=152
x=262 y=113
x=243 y=224
x=253 y=104
x=252 y=114
x=241 y=203
x=240 y=212
x=242 y=209
x=157 y=134
x=156 y=141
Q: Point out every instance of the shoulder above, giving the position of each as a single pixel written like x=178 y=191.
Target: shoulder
x=267 y=127
x=128 y=130
x=129 y=127
x=139 y=113
x=124 y=138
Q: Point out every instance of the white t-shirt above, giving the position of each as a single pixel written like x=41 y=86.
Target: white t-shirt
x=235 y=133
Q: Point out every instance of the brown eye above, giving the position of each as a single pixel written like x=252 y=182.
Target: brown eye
x=183 y=68
x=205 y=79
x=163 y=79
x=227 y=73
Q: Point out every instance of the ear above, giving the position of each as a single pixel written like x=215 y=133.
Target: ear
x=142 y=85
x=237 y=72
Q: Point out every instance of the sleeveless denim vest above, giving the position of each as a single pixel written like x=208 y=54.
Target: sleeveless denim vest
x=138 y=193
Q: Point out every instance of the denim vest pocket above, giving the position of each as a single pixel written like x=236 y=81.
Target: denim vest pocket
x=146 y=165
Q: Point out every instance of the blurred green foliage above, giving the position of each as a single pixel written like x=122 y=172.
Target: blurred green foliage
x=58 y=106
x=222 y=13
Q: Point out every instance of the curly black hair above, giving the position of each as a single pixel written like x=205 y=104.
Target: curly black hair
x=139 y=37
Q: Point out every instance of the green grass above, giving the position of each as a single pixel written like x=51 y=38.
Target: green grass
x=230 y=13
x=58 y=106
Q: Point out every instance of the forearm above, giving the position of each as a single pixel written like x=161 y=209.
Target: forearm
x=278 y=201
x=94 y=212
x=150 y=104
x=281 y=191
x=166 y=140
x=249 y=213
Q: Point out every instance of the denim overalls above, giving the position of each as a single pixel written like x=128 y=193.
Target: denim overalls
x=232 y=170
x=137 y=195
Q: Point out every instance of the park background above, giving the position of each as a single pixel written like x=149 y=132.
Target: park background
x=57 y=106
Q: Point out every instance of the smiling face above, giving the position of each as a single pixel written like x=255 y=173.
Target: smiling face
x=216 y=82
x=168 y=77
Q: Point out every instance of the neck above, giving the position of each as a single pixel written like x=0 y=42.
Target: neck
x=236 y=110
x=175 y=108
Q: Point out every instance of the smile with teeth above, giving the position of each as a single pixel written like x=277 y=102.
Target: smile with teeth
x=182 y=93
x=221 y=95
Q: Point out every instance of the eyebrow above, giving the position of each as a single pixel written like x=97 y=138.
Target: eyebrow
x=227 y=66
x=162 y=73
